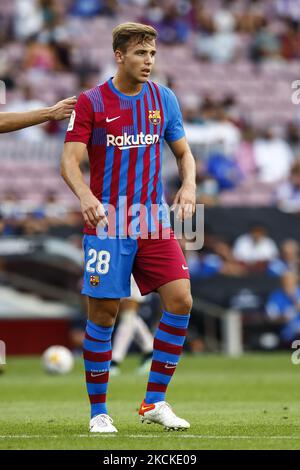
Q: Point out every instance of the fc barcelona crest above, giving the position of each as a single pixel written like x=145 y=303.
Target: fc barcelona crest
x=94 y=281
x=154 y=116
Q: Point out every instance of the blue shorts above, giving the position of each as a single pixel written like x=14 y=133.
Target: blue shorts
x=108 y=266
x=109 y=263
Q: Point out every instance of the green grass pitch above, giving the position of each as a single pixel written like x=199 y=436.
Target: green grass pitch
x=247 y=403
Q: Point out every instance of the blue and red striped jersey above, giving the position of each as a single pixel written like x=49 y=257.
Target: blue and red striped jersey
x=124 y=137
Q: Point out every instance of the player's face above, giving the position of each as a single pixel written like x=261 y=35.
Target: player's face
x=138 y=60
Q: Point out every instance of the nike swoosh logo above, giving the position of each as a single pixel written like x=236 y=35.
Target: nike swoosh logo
x=97 y=375
x=147 y=408
x=112 y=119
x=184 y=267
x=170 y=366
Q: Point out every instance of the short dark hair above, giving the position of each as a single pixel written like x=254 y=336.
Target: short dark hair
x=125 y=33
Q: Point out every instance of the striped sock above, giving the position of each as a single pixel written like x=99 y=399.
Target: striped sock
x=97 y=357
x=167 y=347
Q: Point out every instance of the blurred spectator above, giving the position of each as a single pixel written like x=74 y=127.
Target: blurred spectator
x=200 y=17
x=221 y=46
x=255 y=248
x=85 y=8
x=214 y=129
x=154 y=12
x=232 y=109
x=10 y=206
x=2 y=225
x=4 y=229
x=28 y=19
x=244 y=155
x=40 y=56
x=200 y=265
x=273 y=157
x=265 y=44
x=191 y=109
x=55 y=33
x=27 y=102
x=291 y=41
x=33 y=225
x=206 y=264
x=287 y=196
x=229 y=266
x=224 y=170
x=250 y=15
x=52 y=209
x=289 y=259
x=283 y=307
x=288 y=8
x=207 y=191
x=293 y=138
x=90 y=8
x=169 y=20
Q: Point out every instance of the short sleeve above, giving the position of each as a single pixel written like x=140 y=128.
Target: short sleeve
x=174 y=129
x=81 y=121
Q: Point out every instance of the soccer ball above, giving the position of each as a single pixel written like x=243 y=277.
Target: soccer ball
x=57 y=360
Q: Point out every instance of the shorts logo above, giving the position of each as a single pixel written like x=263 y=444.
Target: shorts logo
x=94 y=281
x=154 y=116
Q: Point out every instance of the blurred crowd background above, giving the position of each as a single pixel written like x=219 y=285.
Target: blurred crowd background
x=234 y=67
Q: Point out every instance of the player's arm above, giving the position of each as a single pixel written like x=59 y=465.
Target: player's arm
x=92 y=210
x=14 y=121
x=186 y=196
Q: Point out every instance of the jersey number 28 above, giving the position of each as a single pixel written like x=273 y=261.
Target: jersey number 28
x=101 y=258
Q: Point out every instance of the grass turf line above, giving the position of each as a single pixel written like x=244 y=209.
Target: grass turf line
x=247 y=403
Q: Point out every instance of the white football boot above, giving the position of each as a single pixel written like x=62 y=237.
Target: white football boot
x=102 y=423
x=162 y=413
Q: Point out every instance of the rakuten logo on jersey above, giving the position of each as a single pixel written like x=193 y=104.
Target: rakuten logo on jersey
x=126 y=141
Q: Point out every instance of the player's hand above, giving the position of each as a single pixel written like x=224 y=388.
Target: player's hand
x=63 y=109
x=93 y=211
x=185 y=201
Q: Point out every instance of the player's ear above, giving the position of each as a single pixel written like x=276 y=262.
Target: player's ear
x=119 y=56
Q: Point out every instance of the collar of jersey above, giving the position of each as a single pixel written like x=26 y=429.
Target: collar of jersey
x=126 y=97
